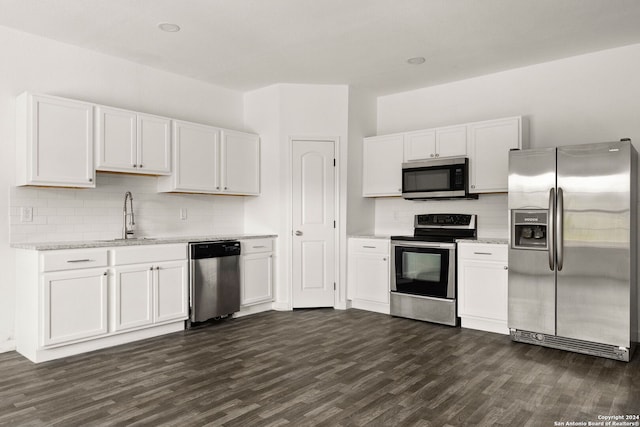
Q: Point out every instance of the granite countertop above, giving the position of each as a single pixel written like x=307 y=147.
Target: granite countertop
x=486 y=240
x=369 y=236
x=80 y=244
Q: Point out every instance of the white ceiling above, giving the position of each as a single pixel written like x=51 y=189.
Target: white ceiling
x=247 y=44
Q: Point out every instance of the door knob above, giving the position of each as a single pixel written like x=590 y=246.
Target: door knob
x=298 y=233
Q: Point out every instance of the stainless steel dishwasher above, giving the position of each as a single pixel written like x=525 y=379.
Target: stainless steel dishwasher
x=214 y=279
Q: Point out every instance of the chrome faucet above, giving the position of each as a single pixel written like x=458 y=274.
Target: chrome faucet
x=128 y=220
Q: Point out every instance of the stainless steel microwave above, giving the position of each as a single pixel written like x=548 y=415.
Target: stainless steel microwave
x=437 y=179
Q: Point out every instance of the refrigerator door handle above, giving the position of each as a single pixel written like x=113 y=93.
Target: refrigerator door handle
x=559 y=229
x=552 y=200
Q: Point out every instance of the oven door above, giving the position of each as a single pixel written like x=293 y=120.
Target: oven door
x=425 y=269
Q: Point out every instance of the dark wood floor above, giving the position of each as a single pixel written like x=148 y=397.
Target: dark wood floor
x=319 y=368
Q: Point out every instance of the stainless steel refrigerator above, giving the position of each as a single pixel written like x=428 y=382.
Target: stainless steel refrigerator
x=572 y=249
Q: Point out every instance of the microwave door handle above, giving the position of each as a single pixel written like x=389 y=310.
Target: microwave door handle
x=559 y=229
x=550 y=237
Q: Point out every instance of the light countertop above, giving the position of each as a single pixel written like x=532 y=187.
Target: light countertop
x=80 y=244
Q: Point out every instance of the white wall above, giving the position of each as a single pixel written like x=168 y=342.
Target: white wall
x=587 y=98
x=44 y=66
x=280 y=113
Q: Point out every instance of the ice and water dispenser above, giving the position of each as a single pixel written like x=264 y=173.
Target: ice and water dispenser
x=529 y=229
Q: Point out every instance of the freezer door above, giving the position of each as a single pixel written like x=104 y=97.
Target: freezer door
x=531 y=294
x=594 y=250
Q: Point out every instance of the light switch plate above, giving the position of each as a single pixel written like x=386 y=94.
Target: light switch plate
x=183 y=214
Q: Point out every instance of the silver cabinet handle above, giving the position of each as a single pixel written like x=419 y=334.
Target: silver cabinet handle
x=258 y=247
x=368 y=247
x=482 y=253
x=559 y=229
x=80 y=260
x=298 y=233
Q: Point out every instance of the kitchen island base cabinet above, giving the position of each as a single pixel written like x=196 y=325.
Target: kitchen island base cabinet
x=368 y=274
x=73 y=301
x=482 y=286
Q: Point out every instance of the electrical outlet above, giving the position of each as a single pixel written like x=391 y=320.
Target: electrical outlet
x=26 y=214
x=183 y=214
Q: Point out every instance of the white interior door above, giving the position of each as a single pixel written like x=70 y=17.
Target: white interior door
x=313 y=185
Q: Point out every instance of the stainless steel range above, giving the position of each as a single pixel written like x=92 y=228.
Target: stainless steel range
x=423 y=267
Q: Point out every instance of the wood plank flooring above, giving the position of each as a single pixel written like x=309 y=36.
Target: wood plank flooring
x=318 y=367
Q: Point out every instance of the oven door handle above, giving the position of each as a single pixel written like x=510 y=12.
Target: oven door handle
x=415 y=244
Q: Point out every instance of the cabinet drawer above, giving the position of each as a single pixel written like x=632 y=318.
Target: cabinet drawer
x=371 y=246
x=73 y=259
x=483 y=251
x=149 y=253
x=256 y=245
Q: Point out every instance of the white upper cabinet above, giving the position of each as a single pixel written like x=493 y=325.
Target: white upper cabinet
x=435 y=143
x=489 y=145
x=54 y=142
x=382 y=165
x=132 y=142
x=240 y=162
x=196 y=151
x=213 y=161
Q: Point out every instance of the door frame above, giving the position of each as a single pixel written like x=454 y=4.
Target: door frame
x=336 y=214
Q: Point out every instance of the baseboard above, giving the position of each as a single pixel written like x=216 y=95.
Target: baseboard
x=253 y=309
x=282 y=306
x=9 y=345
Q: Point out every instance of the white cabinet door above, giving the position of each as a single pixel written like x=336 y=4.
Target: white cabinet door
x=382 y=166
x=420 y=145
x=154 y=144
x=451 y=141
x=489 y=145
x=371 y=277
x=196 y=150
x=171 y=291
x=256 y=278
x=483 y=289
x=368 y=274
x=115 y=139
x=240 y=166
x=482 y=286
x=54 y=142
x=132 y=296
x=74 y=305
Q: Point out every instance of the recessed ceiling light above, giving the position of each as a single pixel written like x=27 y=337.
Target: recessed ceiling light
x=169 y=28
x=416 y=61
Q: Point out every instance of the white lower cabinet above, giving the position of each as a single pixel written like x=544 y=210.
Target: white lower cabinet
x=64 y=319
x=368 y=274
x=149 y=293
x=256 y=272
x=73 y=301
x=482 y=286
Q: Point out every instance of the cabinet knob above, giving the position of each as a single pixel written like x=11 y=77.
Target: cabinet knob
x=473 y=186
x=225 y=188
x=506 y=267
x=135 y=166
x=151 y=268
x=217 y=188
x=158 y=268
x=431 y=154
x=298 y=233
x=384 y=259
x=90 y=179
x=437 y=155
x=140 y=165
x=105 y=273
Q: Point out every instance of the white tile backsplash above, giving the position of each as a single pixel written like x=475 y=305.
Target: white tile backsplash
x=394 y=215
x=61 y=214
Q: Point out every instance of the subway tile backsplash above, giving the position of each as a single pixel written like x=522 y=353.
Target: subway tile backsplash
x=61 y=214
x=394 y=215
